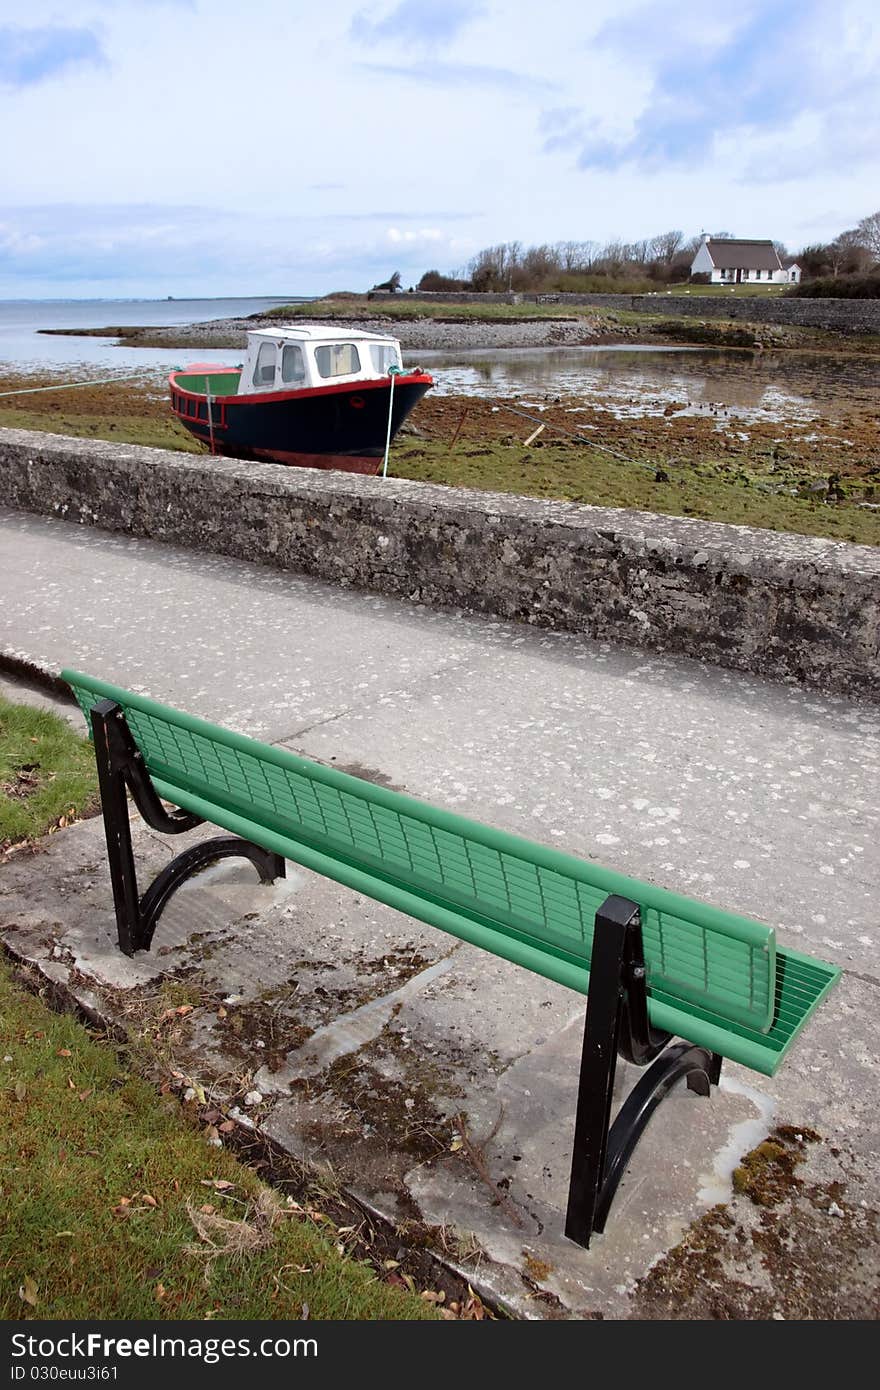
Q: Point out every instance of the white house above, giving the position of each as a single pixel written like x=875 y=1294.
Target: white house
x=731 y=261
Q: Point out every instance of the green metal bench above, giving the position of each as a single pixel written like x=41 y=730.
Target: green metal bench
x=655 y=965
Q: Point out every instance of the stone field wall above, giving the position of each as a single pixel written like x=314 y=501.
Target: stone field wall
x=842 y=315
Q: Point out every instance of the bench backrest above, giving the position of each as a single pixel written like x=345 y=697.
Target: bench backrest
x=708 y=971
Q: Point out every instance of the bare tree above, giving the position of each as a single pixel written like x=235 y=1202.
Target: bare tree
x=847 y=254
x=813 y=260
x=511 y=260
x=612 y=258
x=575 y=256
x=868 y=233
x=539 y=264
x=487 y=269
x=665 y=247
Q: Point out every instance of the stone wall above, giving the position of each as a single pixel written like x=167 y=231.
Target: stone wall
x=842 y=315
x=784 y=606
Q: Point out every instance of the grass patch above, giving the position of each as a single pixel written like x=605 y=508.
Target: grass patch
x=763 y=290
x=124 y=412
x=713 y=489
x=155 y=433
x=47 y=773
x=408 y=307
x=117 y=1207
x=557 y=304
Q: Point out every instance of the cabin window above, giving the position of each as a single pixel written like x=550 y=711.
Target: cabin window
x=337 y=359
x=383 y=356
x=264 y=371
x=293 y=367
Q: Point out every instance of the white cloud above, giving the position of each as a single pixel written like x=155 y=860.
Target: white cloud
x=305 y=148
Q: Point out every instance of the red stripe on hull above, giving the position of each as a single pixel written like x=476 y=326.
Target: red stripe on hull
x=303 y=393
x=345 y=463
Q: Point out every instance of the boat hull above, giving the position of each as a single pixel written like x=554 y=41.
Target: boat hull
x=341 y=427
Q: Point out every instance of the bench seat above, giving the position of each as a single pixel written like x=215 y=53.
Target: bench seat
x=717 y=979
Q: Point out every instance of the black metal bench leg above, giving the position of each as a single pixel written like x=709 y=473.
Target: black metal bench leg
x=598 y=1066
x=617 y=1023
x=268 y=865
x=682 y=1059
x=117 y=829
x=120 y=767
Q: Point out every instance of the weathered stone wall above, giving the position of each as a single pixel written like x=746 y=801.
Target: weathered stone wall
x=842 y=315
x=785 y=606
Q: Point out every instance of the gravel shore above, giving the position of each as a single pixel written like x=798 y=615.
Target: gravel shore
x=421 y=335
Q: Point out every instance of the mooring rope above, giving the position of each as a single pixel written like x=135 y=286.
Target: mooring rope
x=69 y=385
x=392 y=372
x=210 y=414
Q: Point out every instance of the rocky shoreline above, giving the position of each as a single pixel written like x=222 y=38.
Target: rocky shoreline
x=439 y=332
x=415 y=335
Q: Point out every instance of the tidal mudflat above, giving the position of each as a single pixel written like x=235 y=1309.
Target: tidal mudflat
x=787 y=439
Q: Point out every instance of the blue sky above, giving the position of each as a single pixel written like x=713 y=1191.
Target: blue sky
x=209 y=147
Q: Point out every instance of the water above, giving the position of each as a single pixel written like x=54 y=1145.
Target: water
x=23 y=348
x=632 y=381
x=629 y=380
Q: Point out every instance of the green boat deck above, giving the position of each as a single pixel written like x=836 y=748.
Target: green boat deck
x=219 y=383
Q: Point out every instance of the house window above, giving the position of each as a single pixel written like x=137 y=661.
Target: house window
x=264 y=371
x=293 y=368
x=337 y=359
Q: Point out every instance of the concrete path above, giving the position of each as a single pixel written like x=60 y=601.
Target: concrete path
x=759 y=798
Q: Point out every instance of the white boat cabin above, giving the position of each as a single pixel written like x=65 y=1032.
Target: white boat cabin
x=313 y=355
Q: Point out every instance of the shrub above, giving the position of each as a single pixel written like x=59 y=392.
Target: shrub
x=841 y=287
x=433 y=282
x=573 y=282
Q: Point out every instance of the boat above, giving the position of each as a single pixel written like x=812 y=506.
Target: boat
x=311 y=395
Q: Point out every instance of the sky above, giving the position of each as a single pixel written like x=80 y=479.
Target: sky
x=205 y=147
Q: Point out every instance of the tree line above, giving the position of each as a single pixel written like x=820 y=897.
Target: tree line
x=630 y=267
x=570 y=266
x=853 y=252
